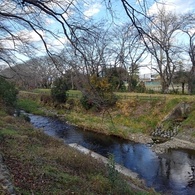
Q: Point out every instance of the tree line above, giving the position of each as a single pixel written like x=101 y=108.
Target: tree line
x=94 y=50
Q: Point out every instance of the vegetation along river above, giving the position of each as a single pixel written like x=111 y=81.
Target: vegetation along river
x=172 y=172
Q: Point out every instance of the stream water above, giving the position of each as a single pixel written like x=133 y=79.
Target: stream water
x=170 y=173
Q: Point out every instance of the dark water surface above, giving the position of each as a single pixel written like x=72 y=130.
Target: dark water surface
x=171 y=173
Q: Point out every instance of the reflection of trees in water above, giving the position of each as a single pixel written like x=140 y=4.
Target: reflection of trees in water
x=174 y=170
x=191 y=181
x=178 y=167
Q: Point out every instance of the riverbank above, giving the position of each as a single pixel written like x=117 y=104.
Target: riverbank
x=184 y=139
x=133 y=118
x=122 y=118
x=34 y=163
x=134 y=111
x=45 y=163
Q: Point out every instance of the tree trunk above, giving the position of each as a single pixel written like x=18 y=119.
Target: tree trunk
x=183 y=86
x=165 y=87
x=191 y=82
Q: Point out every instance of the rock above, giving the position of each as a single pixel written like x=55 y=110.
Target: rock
x=5 y=178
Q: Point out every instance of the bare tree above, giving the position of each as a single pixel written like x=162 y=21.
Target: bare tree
x=162 y=45
x=191 y=53
x=19 y=17
x=128 y=51
x=24 y=20
x=92 y=56
x=34 y=73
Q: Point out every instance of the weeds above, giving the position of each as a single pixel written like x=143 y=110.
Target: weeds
x=40 y=164
x=112 y=173
x=115 y=179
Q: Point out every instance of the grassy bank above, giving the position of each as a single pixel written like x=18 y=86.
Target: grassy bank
x=134 y=113
x=40 y=164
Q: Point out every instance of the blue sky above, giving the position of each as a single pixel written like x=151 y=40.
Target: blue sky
x=96 y=9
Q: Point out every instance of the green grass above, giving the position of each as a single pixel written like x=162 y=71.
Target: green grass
x=34 y=158
x=30 y=106
x=8 y=132
x=40 y=164
x=2 y=113
x=190 y=121
x=46 y=91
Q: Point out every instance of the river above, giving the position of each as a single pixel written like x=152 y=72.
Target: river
x=172 y=172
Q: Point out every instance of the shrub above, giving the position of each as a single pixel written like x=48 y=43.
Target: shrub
x=86 y=102
x=150 y=91
x=46 y=99
x=8 y=93
x=70 y=103
x=99 y=95
x=58 y=91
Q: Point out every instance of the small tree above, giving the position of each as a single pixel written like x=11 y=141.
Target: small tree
x=116 y=77
x=182 y=77
x=58 y=91
x=99 y=94
x=8 y=93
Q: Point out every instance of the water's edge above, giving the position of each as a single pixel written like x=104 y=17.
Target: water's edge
x=169 y=172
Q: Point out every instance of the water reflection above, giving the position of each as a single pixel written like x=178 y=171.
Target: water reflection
x=172 y=172
x=178 y=167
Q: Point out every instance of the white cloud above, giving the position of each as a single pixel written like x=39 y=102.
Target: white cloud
x=30 y=36
x=177 y=6
x=92 y=9
x=56 y=44
x=49 y=21
x=34 y=37
x=192 y=31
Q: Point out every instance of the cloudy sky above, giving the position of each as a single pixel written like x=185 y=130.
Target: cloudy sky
x=96 y=9
x=177 y=6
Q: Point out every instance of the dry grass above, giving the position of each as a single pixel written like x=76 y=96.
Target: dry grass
x=137 y=114
x=129 y=116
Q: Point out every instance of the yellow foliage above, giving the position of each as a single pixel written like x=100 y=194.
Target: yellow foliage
x=126 y=107
x=100 y=83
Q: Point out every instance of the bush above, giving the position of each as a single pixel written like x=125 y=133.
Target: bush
x=70 y=104
x=58 y=91
x=99 y=95
x=86 y=102
x=98 y=101
x=8 y=93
